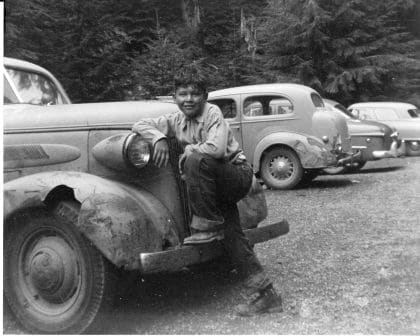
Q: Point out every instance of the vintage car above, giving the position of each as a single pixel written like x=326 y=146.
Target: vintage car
x=405 y=118
x=82 y=199
x=285 y=131
x=373 y=139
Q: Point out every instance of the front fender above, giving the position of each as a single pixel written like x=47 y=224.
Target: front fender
x=311 y=151
x=120 y=220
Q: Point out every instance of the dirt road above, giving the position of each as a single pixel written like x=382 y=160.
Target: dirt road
x=350 y=264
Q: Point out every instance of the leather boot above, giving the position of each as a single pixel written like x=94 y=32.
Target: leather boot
x=264 y=301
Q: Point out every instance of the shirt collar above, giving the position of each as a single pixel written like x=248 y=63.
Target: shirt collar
x=199 y=118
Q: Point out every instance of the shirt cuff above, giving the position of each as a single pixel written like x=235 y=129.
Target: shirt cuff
x=157 y=138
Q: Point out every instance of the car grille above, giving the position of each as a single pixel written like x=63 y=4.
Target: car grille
x=175 y=152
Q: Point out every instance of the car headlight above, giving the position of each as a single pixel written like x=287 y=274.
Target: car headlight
x=414 y=145
x=136 y=151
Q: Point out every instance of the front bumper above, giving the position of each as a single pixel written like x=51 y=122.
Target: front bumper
x=394 y=151
x=178 y=258
x=349 y=159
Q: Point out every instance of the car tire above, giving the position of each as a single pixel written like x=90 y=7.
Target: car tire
x=55 y=280
x=412 y=149
x=281 y=168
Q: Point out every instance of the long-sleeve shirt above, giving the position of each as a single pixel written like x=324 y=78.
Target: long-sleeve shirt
x=207 y=133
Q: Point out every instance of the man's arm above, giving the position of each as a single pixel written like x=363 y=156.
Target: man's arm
x=155 y=131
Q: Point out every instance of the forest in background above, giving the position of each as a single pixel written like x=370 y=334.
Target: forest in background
x=109 y=50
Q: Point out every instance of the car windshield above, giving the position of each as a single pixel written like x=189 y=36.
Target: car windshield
x=33 y=88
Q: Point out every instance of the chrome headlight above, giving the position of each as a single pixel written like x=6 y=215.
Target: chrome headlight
x=136 y=151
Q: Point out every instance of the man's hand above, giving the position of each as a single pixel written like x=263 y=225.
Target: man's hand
x=161 y=153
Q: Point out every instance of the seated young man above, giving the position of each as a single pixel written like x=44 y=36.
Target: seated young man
x=217 y=176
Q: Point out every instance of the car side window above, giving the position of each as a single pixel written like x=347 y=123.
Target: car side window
x=257 y=106
x=9 y=97
x=35 y=88
x=366 y=113
x=227 y=106
x=414 y=113
x=386 y=114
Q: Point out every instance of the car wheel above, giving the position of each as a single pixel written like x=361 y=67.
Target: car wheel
x=55 y=281
x=281 y=168
x=413 y=148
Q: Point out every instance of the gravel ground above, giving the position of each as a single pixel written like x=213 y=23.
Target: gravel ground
x=350 y=264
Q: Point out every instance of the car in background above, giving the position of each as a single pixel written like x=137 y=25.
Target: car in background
x=285 y=131
x=82 y=199
x=373 y=139
x=28 y=83
x=405 y=118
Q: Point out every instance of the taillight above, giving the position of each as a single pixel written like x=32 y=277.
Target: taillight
x=136 y=151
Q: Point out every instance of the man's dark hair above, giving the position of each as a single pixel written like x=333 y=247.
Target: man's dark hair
x=190 y=75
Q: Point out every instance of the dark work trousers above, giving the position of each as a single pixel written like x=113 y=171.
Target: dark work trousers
x=214 y=187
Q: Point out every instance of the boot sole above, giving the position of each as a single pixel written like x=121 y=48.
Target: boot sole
x=204 y=241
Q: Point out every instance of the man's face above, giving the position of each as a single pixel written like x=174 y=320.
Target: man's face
x=190 y=100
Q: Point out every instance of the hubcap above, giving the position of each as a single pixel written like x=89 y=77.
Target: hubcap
x=281 y=167
x=52 y=269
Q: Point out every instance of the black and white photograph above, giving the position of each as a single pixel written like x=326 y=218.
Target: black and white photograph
x=219 y=167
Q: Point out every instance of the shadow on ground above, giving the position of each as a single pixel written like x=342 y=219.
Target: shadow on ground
x=380 y=170
x=151 y=297
x=335 y=182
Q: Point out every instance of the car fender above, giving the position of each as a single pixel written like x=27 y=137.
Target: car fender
x=311 y=151
x=119 y=220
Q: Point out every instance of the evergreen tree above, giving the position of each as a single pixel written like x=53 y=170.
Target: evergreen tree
x=349 y=50
x=88 y=45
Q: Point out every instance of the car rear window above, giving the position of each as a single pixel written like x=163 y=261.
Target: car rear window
x=267 y=105
x=317 y=100
x=227 y=106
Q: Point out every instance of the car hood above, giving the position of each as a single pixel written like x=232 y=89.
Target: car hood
x=407 y=128
x=92 y=115
x=367 y=128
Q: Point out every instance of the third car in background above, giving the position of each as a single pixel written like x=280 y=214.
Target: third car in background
x=405 y=118
x=373 y=139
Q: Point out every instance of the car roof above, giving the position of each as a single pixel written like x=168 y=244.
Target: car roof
x=16 y=63
x=263 y=88
x=384 y=104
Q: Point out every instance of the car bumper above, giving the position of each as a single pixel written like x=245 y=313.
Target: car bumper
x=349 y=159
x=394 y=150
x=178 y=258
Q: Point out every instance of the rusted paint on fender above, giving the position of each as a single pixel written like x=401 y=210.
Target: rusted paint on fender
x=121 y=221
x=312 y=153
